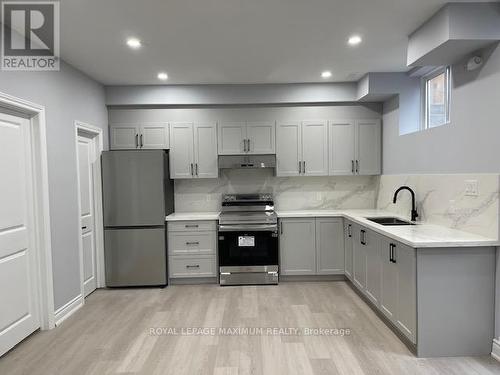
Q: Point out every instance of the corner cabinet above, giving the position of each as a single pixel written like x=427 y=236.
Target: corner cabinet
x=242 y=138
x=302 y=148
x=355 y=147
x=139 y=136
x=311 y=246
x=193 y=151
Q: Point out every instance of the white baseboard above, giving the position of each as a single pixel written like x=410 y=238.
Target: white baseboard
x=64 y=312
x=495 y=353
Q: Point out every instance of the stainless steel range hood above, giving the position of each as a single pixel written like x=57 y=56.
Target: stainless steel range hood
x=247 y=161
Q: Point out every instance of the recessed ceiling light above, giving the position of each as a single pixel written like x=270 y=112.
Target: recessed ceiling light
x=326 y=74
x=354 y=40
x=134 y=43
x=163 y=76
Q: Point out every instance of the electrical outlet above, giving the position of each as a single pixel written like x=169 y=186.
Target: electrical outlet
x=471 y=188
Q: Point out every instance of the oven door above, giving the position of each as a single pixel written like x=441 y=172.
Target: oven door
x=249 y=246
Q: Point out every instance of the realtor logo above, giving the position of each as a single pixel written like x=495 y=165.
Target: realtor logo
x=30 y=35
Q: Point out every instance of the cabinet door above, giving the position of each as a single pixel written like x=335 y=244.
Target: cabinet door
x=341 y=147
x=154 y=136
x=369 y=147
x=329 y=246
x=181 y=150
x=348 y=230
x=389 y=289
x=359 y=257
x=373 y=267
x=261 y=137
x=288 y=148
x=231 y=136
x=123 y=137
x=298 y=247
x=314 y=148
x=205 y=150
x=405 y=258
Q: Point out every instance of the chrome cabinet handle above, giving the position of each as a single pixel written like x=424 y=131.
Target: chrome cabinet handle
x=362 y=237
x=349 y=230
x=192 y=243
x=304 y=167
x=352 y=166
x=392 y=253
x=136 y=140
x=248 y=150
x=191 y=226
x=193 y=266
x=245 y=145
x=192 y=174
x=300 y=167
x=357 y=166
x=196 y=169
x=142 y=141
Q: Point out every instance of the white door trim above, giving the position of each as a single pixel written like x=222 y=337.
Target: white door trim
x=42 y=234
x=97 y=134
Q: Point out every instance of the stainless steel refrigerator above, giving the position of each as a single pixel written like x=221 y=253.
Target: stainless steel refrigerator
x=137 y=195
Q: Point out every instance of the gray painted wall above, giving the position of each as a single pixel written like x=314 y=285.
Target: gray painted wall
x=67 y=95
x=468 y=145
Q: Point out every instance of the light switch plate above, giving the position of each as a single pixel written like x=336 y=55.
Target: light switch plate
x=471 y=188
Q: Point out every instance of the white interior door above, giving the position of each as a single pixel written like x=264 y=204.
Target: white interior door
x=86 y=158
x=19 y=315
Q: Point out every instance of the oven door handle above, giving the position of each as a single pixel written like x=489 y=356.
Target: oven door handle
x=249 y=228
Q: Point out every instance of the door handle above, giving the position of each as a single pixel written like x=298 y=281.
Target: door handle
x=352 y=166
x=248 y=149
x=357 y=166
x=142 y=143
x=304 y=167
x=196 y=169
x=192 y=174
x=84 y=227
x=245 y=145
x=193 y=266
x=362 y=237
x=136 y=140
x=192 y=243
x=393 y=247
x=281 y=228
x=300 y=167
x=349 y=230
x=191 y=226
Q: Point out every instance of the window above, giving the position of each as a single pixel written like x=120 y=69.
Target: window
x=436 y=98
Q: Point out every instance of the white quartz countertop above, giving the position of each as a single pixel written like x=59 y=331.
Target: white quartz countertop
x=418 y=236
x=192 y=216
x=421 y=235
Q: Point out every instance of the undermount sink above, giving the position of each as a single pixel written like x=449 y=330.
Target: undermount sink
x=389 y=221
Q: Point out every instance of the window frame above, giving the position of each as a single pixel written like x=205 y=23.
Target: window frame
x=425 y=96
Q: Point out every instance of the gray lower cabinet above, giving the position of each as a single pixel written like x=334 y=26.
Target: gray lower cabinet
x=348 y=243
x=358 y=257
x=298 y=246
x=192 y=249
x=398 y=299
x=311 y=246
x=329 y=246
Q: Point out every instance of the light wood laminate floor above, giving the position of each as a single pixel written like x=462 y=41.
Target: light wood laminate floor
x=111 y=335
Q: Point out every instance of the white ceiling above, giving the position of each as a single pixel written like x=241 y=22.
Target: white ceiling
x=238 y=41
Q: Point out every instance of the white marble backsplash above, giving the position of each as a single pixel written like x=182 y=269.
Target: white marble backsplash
x=290 y=193
x=441 y=200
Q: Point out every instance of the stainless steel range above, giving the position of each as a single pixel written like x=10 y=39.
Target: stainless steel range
x=248 y=240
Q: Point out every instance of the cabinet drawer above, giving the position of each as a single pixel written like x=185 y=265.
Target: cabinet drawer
x=191 y=226
x=191 y=243
x=191 y=266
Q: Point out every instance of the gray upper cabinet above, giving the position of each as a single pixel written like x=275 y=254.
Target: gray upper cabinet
x=348 y=243
x=302 y=148
x=139 y=136
x=329 y=246
x=355 y=147
x=193 y=150
x=368 y=147
x=297 y=246
x=236 y=138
